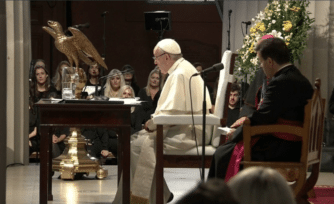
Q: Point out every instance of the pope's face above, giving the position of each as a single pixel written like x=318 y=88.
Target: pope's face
x=161 y=59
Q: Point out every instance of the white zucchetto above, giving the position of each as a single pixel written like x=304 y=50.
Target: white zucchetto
x=170 y=46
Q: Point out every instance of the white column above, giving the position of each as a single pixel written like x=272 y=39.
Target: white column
x=3 y=129
x=18 y=59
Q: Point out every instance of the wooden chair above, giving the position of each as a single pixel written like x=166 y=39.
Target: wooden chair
x=189 y=158
x=311 y=134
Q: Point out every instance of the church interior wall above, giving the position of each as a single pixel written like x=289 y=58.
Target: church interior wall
x=197 y=28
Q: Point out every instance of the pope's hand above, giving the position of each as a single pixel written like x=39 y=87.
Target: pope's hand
x=146 y=126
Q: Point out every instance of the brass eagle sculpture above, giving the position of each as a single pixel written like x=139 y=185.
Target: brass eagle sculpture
x=76 y=47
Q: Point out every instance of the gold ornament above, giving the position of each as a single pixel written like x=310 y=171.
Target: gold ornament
x=76 y=47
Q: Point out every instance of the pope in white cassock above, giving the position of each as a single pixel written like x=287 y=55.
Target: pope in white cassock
x=174 y=100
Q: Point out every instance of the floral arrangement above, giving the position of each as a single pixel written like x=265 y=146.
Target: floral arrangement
x=287 y=20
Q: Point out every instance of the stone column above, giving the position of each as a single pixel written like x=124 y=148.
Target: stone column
x=3 y=90
x=18 y=60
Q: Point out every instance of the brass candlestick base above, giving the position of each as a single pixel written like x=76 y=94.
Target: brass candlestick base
x=75 y=158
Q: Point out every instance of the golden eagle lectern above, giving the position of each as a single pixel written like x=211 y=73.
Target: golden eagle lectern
x=74 y=47
x=75 y=159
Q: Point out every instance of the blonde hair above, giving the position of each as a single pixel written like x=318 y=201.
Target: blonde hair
x=108 y=86
x=57 y=79
x=125 y=87
x=261 y=186
x=147 y=88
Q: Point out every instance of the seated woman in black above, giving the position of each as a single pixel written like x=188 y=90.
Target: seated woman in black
x=40 y=86
x=149 y=94
x=136 y=112
x=100 y=141
x=34 y=138
x=58 y=144
x=114 y=84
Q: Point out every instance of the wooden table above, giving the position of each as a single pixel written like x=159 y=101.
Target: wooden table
x=83 y=115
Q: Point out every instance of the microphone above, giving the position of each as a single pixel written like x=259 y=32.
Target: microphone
x=80 y=26
x=214 y=68
x=159 y=19
x=104 y=13
x=230 y=11
x=247 y=22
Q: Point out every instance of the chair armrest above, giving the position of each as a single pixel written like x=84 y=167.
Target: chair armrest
x=185 y=120
x=250 y=131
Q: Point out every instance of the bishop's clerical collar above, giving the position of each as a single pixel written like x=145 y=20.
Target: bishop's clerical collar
x=174 y=66
x=280 y=69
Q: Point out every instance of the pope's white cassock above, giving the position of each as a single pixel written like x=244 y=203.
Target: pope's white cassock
x=174 y=100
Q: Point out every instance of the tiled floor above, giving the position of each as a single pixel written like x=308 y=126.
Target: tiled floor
x=23 y=185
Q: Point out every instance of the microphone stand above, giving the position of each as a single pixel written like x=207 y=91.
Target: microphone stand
x=104 y=38
x=203 y=124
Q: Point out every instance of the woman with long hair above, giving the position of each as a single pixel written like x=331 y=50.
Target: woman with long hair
x=114 y=84
x=130 y=78
x=57 y=79
x=137 y=119
x=40 y=86
x=150 y=93
x=93 y=74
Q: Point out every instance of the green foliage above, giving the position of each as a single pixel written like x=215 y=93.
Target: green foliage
x=287 y=20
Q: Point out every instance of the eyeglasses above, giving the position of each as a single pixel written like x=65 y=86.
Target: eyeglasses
x=156 y=57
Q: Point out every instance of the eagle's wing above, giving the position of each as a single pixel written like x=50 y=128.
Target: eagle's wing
x=85 y=47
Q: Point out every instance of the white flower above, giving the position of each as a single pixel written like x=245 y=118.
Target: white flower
x=273 y=21
x=243 y=46
x=261 y=15
x=254 y=61
x=253 y=19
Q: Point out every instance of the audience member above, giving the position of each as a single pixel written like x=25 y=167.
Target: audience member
x=233 y=105
x=57 y=79
x=259 y=185
x=99 y=139
x=40 y=86
x=34 y=137
x=130 y=78
x=114 y=84
x=148 y=94
x=93 y=75
x=214 y=191
x=283 y=103
x=254 y=94
x=58 y=144
x=136 y=112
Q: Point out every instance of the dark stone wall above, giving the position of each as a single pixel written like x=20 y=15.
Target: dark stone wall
x=197 y=28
